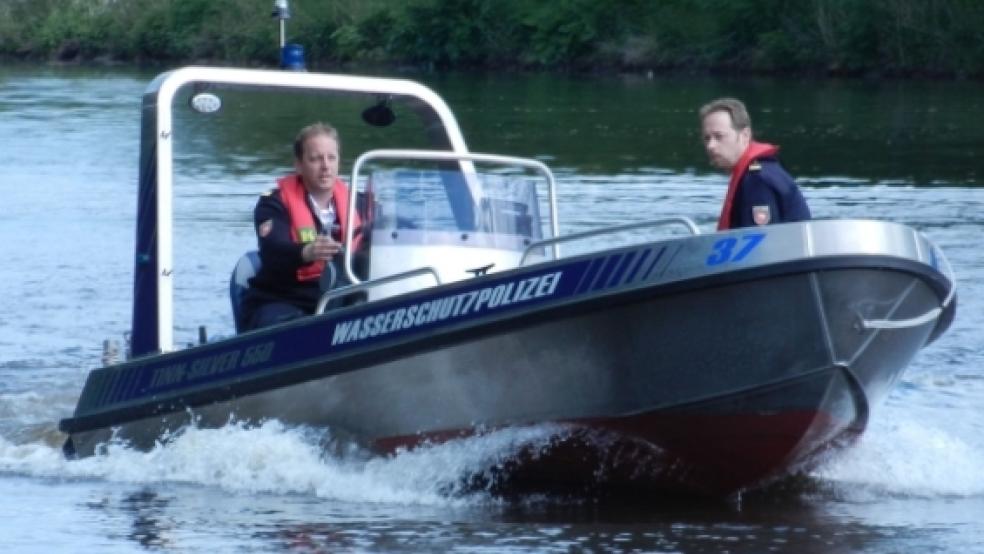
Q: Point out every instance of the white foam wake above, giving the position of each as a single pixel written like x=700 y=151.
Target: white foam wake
x=276 y=459
x=909 y=458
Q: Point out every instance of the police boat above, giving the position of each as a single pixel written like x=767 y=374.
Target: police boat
x=706 y=363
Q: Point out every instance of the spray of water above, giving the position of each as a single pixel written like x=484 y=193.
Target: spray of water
x=910 y=459
x=273 y=458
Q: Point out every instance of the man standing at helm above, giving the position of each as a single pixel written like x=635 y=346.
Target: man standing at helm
x=760 y=191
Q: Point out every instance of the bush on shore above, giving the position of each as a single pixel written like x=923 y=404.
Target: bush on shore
x=852 y=37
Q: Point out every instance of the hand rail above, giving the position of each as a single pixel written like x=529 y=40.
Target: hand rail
x=924 y=318
x=330 y=295
x=683 y=220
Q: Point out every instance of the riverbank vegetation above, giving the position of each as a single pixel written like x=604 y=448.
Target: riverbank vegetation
x=942 y=38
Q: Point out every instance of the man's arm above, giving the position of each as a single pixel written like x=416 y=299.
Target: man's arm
x=769 y=195
x=757 y=202
x=278 y=251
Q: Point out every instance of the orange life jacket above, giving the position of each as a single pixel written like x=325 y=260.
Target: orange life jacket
x=302 y=227
x=754 y=151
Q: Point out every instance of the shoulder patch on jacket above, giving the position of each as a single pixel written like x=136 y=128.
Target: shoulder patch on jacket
x=755 y=166
x=761 y=215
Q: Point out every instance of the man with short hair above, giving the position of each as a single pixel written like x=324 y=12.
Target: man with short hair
x=299 y=227
x=760 y=191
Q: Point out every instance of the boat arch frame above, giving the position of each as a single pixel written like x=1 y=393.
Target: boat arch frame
x=152 y=329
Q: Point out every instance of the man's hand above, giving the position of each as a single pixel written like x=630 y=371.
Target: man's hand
x=323 y=248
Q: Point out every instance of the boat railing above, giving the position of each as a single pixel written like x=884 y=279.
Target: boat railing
x=553 y=241
x=466 y=160
x=339 y=292
x=927 y=317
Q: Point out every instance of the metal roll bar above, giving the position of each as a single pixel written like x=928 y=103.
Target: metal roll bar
x=154 y=248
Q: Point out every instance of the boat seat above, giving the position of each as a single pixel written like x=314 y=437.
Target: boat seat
x=247 y=266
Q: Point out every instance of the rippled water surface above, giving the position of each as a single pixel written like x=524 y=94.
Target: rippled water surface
x=623 y=150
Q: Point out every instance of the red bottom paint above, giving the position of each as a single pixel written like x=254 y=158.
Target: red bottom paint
x=707 y=454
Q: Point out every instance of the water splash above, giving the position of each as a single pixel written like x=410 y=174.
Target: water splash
x=274 y=458
x=908 y=459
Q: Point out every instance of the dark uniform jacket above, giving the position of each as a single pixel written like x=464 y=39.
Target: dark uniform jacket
x=767 y=194
x=760 y=191
x=280 y=257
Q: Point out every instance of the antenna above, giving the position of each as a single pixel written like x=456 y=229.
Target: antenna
x=282 y=13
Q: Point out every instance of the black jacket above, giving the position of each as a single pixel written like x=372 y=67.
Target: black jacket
x=767 y=194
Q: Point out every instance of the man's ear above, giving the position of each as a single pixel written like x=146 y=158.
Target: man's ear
x=745 y=135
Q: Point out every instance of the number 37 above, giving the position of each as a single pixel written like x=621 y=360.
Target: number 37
x=733 y=249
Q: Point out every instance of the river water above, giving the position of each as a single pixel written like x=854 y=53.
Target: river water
x=624 y=149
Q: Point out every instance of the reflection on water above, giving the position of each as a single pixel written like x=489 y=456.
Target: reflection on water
x=802 y=518
x=878 y=132
x=148 y=510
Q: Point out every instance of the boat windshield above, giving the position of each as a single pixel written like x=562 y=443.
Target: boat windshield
x=459 y=217
x=436 y=201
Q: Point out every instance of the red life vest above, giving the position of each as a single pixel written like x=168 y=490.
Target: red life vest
x=754 y=151
x=302 y=227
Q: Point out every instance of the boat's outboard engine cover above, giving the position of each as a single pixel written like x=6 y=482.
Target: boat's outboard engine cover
x=247 y=266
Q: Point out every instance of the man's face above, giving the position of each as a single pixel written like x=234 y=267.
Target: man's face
x=319 y=164
x=723 y=144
